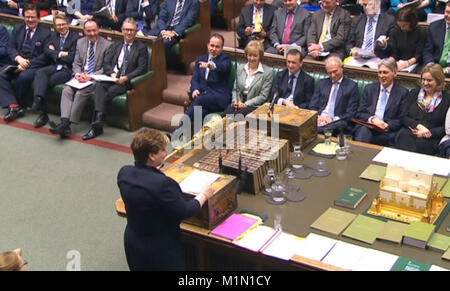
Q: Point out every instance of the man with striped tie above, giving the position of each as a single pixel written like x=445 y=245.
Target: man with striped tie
x=124 y=60
x=174 y=18
x=88 y=60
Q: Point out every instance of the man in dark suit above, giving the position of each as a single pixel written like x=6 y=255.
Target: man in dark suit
x=60 y=53
x=4 y=39
x=209 y=85
x=255 y=22
x=144 y=12
x=173 y=19
x=381 y=105
x=293 y=87
x=367 y=28
x=10 y=6
x=437 y=45
x=329 y=30
x=25 y=49
x=335 y=98
x=117 y=9
x=123 y=62
x=289 y=27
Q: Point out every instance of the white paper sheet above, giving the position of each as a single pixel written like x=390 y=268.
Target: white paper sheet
x=373 y=260
x=198 y=180
x=315 y=247
x=77 y=85
x=282 y=247
x=344 y=255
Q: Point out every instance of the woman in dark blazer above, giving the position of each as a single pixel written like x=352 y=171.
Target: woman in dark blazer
x=408 y=40
x=155 y=206
x=424 y=114
x=253 y=82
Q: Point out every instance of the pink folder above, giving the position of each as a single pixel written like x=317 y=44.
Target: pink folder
x=234 y=226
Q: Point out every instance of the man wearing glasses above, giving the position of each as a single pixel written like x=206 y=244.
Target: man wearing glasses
x=59 y=53
x=123 y=61
x=25 y=48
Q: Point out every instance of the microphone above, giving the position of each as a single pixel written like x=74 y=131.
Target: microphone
x=272 y=104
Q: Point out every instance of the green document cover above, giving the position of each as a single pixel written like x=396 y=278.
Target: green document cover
x=446 y=190
x=351 y=197
x=446 y=255
x=405 y=264
x=441 y=181
x=393 y=231
x=374 y=173
x=419 y=230
x=439 y=242
x=333 y=221
x=365 y=229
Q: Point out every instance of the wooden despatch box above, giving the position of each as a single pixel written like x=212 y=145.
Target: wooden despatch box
x=295 y=124
x=218 y=207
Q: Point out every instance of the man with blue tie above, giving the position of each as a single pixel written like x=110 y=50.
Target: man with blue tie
x=25 y=49
x=335 y=98
x=60 y=53
x=88 y=61
x=381 y=106
x=293 y=87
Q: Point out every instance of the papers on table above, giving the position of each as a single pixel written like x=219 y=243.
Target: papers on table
x=373 y=260
x=315 y=247
x=197 y=181
x=412 y=160
x=333 y=221
x=374 y=173
x=255 y=239
x=344 y=255
x=282 y=247
x=77 y=85
x=103 y=78
x=235 y=226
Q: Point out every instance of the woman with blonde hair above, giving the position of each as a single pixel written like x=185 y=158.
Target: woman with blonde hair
x=424 y=113
x=253 y=82
x=12 y=261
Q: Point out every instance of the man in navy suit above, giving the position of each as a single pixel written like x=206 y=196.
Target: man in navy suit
x=60 y=53
x=123 y=61
x=209 y=85
x=173 y=19
x=143 y=11
x=435 y=50
x=10 y=6
x=117 y=9
x=381 y=105
x=25 y=49
x=335 y=98
x=293 y=87
x=251 y=26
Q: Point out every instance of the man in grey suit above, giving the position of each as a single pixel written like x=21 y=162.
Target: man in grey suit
x=88 y=60
x=329 y=30
x=289 y=27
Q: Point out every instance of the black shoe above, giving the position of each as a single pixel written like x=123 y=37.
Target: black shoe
x=63 y=129
x=14 y=113
x=41 y=120
x=93 y=133
x=36 y=106
x=52 y=124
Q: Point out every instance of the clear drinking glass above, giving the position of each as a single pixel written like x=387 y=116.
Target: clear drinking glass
x=328 y=133
x=296 y=156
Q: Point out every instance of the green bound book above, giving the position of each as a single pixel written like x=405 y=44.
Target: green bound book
x=439 y=242
x=333 y=221
x=418 y=233
x=405 y=264
x=350 y=198
x=364 y=228
x=393 y=231
x=446 y=255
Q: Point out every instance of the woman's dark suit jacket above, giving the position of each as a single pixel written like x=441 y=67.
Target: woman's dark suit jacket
x=155 y=207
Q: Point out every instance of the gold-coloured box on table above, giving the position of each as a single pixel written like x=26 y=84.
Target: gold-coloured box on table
x=218 y=207
x=295 y=124
x=408 y=195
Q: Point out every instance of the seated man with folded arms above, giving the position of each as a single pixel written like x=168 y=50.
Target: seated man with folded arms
x=60 y=53
x=329 y=31
x=289 y=27
x=144 y=12
x=116 y=9
x=173 y=19
x=25 y=49
x=88 y=60
x=293 y=87
x=255 y=23
x=381 y=105
x=368 y=41
x=123 y=61
x=335 y=98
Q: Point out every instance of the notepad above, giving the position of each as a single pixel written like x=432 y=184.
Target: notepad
x=235 y=226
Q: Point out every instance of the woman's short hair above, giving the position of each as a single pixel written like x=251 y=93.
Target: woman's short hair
x=9 y=261
x=407 y=14
x=390 y=63
x=437 y=73
x=147 y=141
x=255 y=47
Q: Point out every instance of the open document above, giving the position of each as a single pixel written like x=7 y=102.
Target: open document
x=197 y=181
x=74 y=83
